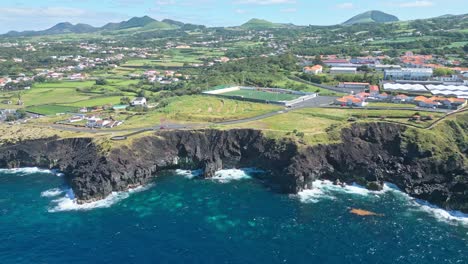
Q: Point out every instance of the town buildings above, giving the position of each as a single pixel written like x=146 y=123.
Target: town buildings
x=343 y=70
x=418 y=74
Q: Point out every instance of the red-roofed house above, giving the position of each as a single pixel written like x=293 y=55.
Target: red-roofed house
x=316 y=69
x=374 y=90
x=428 y=103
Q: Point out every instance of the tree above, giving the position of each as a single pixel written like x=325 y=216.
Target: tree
x=465 y=48
x=21 y=113
x=101 y=81
x=443 y=72
x=125 y=100
x=317 y=60
x=40 y=79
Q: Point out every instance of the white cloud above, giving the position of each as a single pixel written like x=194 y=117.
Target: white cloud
x=345 y=6
x=417 y=4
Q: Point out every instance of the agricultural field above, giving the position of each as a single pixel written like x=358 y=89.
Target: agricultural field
x=262 y=95
x=66 y=96
x=51 y=109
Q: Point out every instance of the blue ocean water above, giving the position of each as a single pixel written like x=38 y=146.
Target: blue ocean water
x=229 y=220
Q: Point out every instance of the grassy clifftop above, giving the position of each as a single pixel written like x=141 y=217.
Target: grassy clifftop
x=449 y=138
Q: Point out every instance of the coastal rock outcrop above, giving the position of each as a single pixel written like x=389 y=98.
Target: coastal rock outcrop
x=369 y=154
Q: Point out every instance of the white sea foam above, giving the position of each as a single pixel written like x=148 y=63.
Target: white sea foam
x=189 y=174
x=26 y=170
x=52 y=192
x=222 y=176
x=31 y=170
x=225 y=176
x=326 y=190
x=452 y=217
x=323 y=189
x=69 y=203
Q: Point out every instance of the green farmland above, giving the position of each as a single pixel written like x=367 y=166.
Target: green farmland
x=262 y=95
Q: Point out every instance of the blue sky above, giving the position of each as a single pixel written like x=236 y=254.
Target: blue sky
x=41 y=14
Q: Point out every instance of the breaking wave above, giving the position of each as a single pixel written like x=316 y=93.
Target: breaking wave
x=25 y=171
x=323 y=190
x=69 y=202
x=189 y=174
x=222 y=176
x=52 y=192
x=31 y=170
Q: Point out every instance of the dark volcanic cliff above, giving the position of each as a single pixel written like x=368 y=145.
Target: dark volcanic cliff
x=369 y=154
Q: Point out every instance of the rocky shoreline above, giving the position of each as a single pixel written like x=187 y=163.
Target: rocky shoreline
x=369 y=154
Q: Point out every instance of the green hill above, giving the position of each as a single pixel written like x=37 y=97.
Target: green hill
x=159 y=25
x=256 y=23
x=131 y=23
x=371 y=17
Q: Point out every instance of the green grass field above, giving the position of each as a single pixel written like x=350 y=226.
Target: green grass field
x=58 y=97
x=321 y=125
x=198 y=109
x=262 y=95
x=51 y=109
x=97 y=101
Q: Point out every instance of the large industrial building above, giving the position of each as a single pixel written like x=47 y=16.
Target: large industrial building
x=417 y=74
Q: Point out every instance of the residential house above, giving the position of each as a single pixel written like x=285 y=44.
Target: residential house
x=362 y=95
x=382 y=96
x=420 y=98
x=351 y=100
x=316 y=69
x=374 y=90
x=429 y=103
x=76 y=118
x=401 y=98
x=139 y=101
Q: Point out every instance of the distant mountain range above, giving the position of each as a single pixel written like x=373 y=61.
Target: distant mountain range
x=146 y=23
x=143 y=23
x=371 y=17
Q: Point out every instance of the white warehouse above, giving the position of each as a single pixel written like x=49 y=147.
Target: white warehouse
x=419 y=74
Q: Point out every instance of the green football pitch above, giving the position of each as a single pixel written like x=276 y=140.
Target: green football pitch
x=262 y=95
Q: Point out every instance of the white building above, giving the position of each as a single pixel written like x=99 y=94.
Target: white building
x=343 y=70
x=316 y=69
x=383 y=67
x=419 y=74
x=354 y=85
x=139 y=101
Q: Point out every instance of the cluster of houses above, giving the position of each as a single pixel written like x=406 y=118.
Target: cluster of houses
x=361 y=99
x=411 y=66
x=166 y=77
x=93 y=121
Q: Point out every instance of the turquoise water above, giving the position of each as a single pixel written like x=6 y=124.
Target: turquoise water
x=237 y=220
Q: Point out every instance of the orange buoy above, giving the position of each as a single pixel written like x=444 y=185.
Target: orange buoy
x=361 y=212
